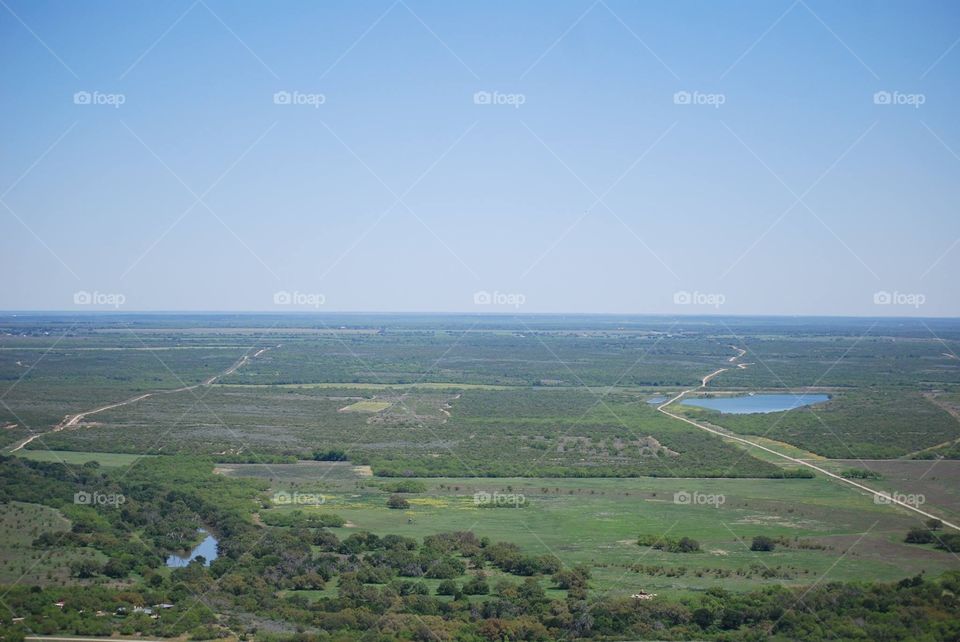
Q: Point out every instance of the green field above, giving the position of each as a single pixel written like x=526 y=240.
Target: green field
x=354 y=468
x=596 y=522
x=79 y=457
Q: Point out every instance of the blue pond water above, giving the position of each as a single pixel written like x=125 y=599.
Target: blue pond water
x=747 y=404
x=656 y=401
x=207 y=548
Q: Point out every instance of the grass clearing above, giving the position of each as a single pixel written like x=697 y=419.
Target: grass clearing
x=367 y=406
x=80 y=457
x=815 y=518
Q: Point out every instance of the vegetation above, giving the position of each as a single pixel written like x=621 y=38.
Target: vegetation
x=669 y=544
x=396 y=501
x=763 y=543
x=554 y=413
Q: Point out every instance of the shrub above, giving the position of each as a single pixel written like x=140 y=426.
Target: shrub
x=682 y=545
x=949 y=542
x=329 y=455
x=763 y=543
x=398 y=502
x=447 y=587
x=919 y=536
x=476 y=585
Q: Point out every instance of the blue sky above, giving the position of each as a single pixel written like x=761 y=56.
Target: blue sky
x=774 y=182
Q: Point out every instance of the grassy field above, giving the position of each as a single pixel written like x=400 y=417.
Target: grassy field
x=596 y=522
x=79 y=457
x=367 y=406
x=20 y=561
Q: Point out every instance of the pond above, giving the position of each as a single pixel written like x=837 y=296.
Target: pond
x=207 y=549
x=656 y=401
x=748 y=404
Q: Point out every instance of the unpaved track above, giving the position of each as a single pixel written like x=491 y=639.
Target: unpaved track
x=887 y=499
x=71 y=421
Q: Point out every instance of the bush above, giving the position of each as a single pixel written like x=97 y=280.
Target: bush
x=949 y=542
x=447 y=587
x=329 y=455
x=396 y=501
x=919 y=536
x=476 y=585
x=763 y=543
x=682 y=545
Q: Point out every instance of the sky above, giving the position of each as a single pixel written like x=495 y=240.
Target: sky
x=770 y=157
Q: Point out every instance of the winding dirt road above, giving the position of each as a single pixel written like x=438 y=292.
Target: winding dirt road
x=885 y=498
x=72 y=421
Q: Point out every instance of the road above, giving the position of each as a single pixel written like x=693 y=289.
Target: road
x=887 y=499
x=71 y=421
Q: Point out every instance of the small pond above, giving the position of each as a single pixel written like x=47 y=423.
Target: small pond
x=748 y=404
x=207 y=549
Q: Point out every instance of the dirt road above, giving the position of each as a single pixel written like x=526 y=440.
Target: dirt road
x=71 y=421
x=884 y=498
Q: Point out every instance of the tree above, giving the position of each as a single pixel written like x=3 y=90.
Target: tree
x=703 y=617
x=934 y=524
x=687 y=545
x=396 y=501
x=919 y=536
x=763 y=543
x=447 y=587
x=476 y=585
